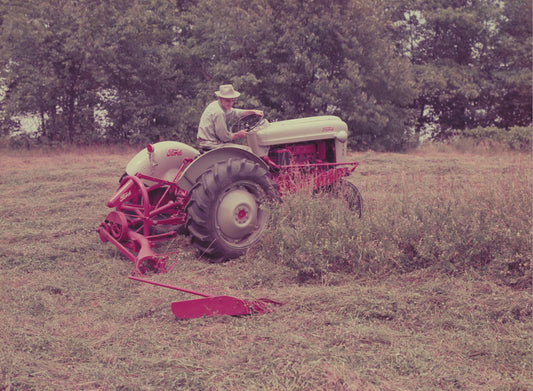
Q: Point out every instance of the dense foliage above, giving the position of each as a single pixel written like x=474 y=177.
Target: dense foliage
x=472 y=61
x=143 y=70
x=517 y=138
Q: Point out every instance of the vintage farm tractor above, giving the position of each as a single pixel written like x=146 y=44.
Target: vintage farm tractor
x=223 y=197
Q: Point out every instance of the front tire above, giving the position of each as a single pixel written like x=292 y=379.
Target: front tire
x=347 y=192
x=353 y=197
x=229 y=208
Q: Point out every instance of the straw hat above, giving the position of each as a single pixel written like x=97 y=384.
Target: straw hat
x=226 y=91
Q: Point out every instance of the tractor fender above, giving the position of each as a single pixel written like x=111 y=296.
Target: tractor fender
x=161 y=160
x=208 y=159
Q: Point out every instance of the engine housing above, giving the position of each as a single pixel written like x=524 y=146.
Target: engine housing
x=303 y=140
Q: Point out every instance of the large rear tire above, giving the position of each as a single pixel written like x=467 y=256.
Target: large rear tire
x=229 y=208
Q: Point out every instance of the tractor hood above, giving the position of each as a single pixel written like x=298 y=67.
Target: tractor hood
x=297 y=130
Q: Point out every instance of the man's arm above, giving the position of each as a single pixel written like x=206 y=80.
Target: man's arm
x=244 y=113
x=240 y=134
x=221 y=129
x=222 y=132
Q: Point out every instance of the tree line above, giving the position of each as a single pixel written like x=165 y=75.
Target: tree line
x=138 y=71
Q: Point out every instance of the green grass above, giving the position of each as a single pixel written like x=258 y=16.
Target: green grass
x=431 y=289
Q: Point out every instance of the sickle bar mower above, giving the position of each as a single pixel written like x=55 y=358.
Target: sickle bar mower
x=213 y=305
x=139 y=209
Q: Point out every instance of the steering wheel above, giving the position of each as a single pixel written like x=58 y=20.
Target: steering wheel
x=249 y=122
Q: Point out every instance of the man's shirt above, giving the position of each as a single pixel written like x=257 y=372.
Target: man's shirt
x=213 y=128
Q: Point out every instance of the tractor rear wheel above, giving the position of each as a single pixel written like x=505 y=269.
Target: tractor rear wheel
x=229 y=208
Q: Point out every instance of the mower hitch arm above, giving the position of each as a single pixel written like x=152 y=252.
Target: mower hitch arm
x=170 y=287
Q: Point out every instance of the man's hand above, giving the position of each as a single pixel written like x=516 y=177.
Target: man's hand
x=240 y=134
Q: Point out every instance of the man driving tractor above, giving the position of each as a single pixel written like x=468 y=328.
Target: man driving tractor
x=213 y=129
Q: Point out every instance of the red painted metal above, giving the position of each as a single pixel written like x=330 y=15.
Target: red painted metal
x=306 y=166
x=139 y=210
x=138 y=249
x=212 y=305
x=294 y=177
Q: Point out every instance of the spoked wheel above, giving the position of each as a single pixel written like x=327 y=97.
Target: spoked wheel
x=132 y=200
x=229 y=208
x=136 y=201
x=348 y=192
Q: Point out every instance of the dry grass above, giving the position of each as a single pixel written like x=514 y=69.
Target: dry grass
x=375 y=309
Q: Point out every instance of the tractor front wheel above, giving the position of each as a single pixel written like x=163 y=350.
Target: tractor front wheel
x=229 y=208
x=350 y=194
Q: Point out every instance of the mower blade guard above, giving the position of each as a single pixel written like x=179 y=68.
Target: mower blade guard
x=210 y=306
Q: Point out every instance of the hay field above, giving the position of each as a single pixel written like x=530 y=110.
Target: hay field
x=431 y=289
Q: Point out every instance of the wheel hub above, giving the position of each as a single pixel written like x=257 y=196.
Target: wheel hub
x=242 y=214
x=237 y=214
x=117 y=225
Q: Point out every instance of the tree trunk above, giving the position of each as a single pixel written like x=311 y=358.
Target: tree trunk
x=71 y=108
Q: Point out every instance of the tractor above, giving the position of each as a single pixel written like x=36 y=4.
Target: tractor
x=223 y=197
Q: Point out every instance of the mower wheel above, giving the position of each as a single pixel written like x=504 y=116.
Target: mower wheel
x=229 y=208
